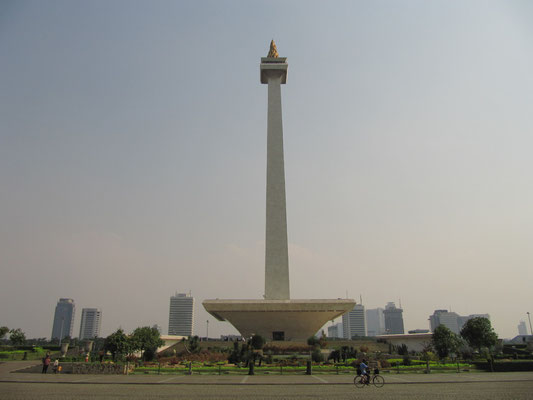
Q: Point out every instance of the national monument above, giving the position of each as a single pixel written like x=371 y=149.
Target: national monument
x=276 y=317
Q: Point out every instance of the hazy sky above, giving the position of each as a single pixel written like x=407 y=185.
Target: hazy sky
x=133 y=156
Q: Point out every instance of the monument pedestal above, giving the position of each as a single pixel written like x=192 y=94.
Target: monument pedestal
x=294 y=320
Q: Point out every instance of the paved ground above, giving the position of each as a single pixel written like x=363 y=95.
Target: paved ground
x=404 y=386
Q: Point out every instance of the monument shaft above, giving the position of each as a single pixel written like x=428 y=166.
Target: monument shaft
x=276 y=317
x=276 y=247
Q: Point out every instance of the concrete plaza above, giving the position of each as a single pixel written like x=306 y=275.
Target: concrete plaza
x=517 y=385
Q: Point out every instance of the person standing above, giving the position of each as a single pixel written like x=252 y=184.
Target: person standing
x=46 y=363
x=56 y=366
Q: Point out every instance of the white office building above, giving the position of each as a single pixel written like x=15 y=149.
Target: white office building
x=91 y=321
x=354 y=322
x=181 y=315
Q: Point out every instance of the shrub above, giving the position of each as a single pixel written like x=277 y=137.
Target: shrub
x=277 y=350
x=406 y=360
x=203 y=356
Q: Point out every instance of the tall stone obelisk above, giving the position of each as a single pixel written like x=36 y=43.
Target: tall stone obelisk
x=276 y=317
x=274 y=73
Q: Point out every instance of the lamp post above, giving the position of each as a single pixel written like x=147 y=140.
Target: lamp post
x=529 y=318
x=207 y=329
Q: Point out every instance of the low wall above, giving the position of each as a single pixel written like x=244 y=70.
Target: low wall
x=83 y=368
x=101 y=368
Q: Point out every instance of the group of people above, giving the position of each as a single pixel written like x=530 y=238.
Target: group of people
x=46 y=363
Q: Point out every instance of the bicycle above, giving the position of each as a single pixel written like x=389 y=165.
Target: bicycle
x=361 y=380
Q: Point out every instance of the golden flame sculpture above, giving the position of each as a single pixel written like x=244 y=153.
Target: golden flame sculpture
x=273 y=53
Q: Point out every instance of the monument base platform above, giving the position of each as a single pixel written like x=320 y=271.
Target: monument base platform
x=278 y=319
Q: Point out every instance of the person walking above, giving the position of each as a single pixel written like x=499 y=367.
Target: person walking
x=46 y=363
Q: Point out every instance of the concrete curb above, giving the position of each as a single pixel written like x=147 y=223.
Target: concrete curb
x=258 y=383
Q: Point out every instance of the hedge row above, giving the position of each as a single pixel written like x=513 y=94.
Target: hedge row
x=508 y=366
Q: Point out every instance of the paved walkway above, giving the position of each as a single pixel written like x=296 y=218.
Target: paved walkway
x=7 y=375
x=472 y=386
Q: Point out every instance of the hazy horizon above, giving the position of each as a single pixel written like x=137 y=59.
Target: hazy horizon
x=133 y=156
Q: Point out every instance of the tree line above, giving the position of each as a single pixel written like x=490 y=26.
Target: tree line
x=476 y=332
x=144 y=339
x=16 y=336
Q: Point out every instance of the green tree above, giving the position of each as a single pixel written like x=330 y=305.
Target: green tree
x=444 y=341
x=145 y=338
x=17 y=337
x=193 y=344
x=257 y=342
x=427 y=355
x=98 y=343
x=316 y=355
x=323 y=341
x=478 y=333
x=118 y=343
x=403 y=350
x=235 y=356
x=3 y=331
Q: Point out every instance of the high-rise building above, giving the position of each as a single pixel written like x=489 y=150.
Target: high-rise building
x=375 y=321
x=393 y=319
x=91 y=320
x=335 y=331
x=354 y=322
x=63 y=319
x=462 y=320
x=522 y=329
x=451 y=320
x=181 y=316
x=444 y=317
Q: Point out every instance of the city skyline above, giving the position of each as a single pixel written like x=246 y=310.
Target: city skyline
x=126 y=153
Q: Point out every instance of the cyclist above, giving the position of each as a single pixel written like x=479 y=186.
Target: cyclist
x=364 y=371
